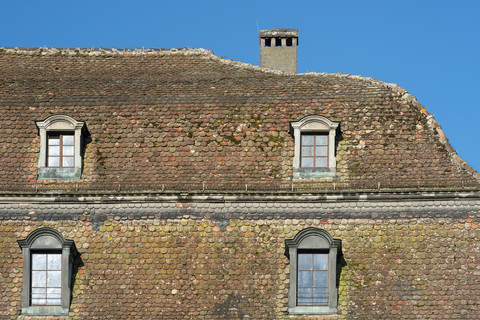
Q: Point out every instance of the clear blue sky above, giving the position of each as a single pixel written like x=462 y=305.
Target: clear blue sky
x=431 y=48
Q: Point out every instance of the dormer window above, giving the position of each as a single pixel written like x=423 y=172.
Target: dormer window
x=47 y=272
x=315 y=138
x=61 y=147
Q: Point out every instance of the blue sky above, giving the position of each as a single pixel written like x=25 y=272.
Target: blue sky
x=430 y=48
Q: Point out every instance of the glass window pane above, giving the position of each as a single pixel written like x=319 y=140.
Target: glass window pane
x=68 y=161
x=39 y=279
x=320 y=296
x=307 y=151
x=54 y=261
x=53 y=150
x=68 y=140
x=305 y=261
x=54 y=293
x=320 y=278
x=53 y=161
x=307 y=162
x=68 y=150
x=53 y=140
x=320 y=162
x=304 y=296
x=307 y=140
x=320 y=261
x=321 y=151
x=321 y=140
x=39 y=293
x=39 y=261
x=39 y=301
x=53 y=278
x=54 y=302
x=305 y=279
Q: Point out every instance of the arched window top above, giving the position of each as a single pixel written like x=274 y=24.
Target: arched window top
x=314 y=123
x=60 y=122
x=47 y=238
x=311 y=238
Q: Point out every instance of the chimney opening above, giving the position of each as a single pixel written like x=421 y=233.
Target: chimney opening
x=289 y=42
x=278 y=42
x=268 y=42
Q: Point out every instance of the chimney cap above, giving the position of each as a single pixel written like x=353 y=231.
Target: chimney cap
x=279 y=33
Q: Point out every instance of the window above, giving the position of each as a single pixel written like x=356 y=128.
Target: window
x=47 y=272
x=60 y=150
x=314 y=151
x=46 y=276
x=313 y=272
x=61 y=146
x=315 y=140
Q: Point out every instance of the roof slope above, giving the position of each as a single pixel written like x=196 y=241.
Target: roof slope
x=187 y=116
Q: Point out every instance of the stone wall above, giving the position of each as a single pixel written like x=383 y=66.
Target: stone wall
x=194 y=267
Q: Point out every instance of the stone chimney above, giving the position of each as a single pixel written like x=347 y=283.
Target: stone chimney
x=278 y=49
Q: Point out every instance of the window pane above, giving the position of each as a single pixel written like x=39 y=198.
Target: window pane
x=307 y=162
x=307 y=151
x=304 y=296
x=320 y=261
x=53 y=140
x=319 y=278
x=320 y=296
x=38 y=301
x=320 y=162
x=68 y=150
x=53 y=278
x=307 y=140
x=54 y=293
x=321 y=140
x=39 y=261
x=53 y=161
x=54 y=261
x=305 y=261
x=53 y=150
x=304 y=278
x=68 y=140
x=54 y=302
x=39 y=293
x=321 y=151
x=39 y=279
x=68 y=161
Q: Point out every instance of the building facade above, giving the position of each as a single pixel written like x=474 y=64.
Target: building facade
x=173 y=184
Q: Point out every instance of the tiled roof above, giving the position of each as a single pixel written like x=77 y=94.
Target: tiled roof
x=188 y=117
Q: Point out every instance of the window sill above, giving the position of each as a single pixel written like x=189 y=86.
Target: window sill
x=312 y=310
x=45 y=173
x=306 y=173
x=45 y=311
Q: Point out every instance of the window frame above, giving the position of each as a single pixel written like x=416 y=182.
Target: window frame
x=313 y=240
x=47 y=240
x=314 y=145
x=58 y=124
x=60 y=134
x=316 y=125
x=42 y=252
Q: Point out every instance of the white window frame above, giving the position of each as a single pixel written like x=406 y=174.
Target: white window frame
x=60 y=123
x=311 y=239
x=46 y=240
x=314 y=124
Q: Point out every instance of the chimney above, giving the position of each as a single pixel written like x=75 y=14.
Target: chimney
x=278 y=49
